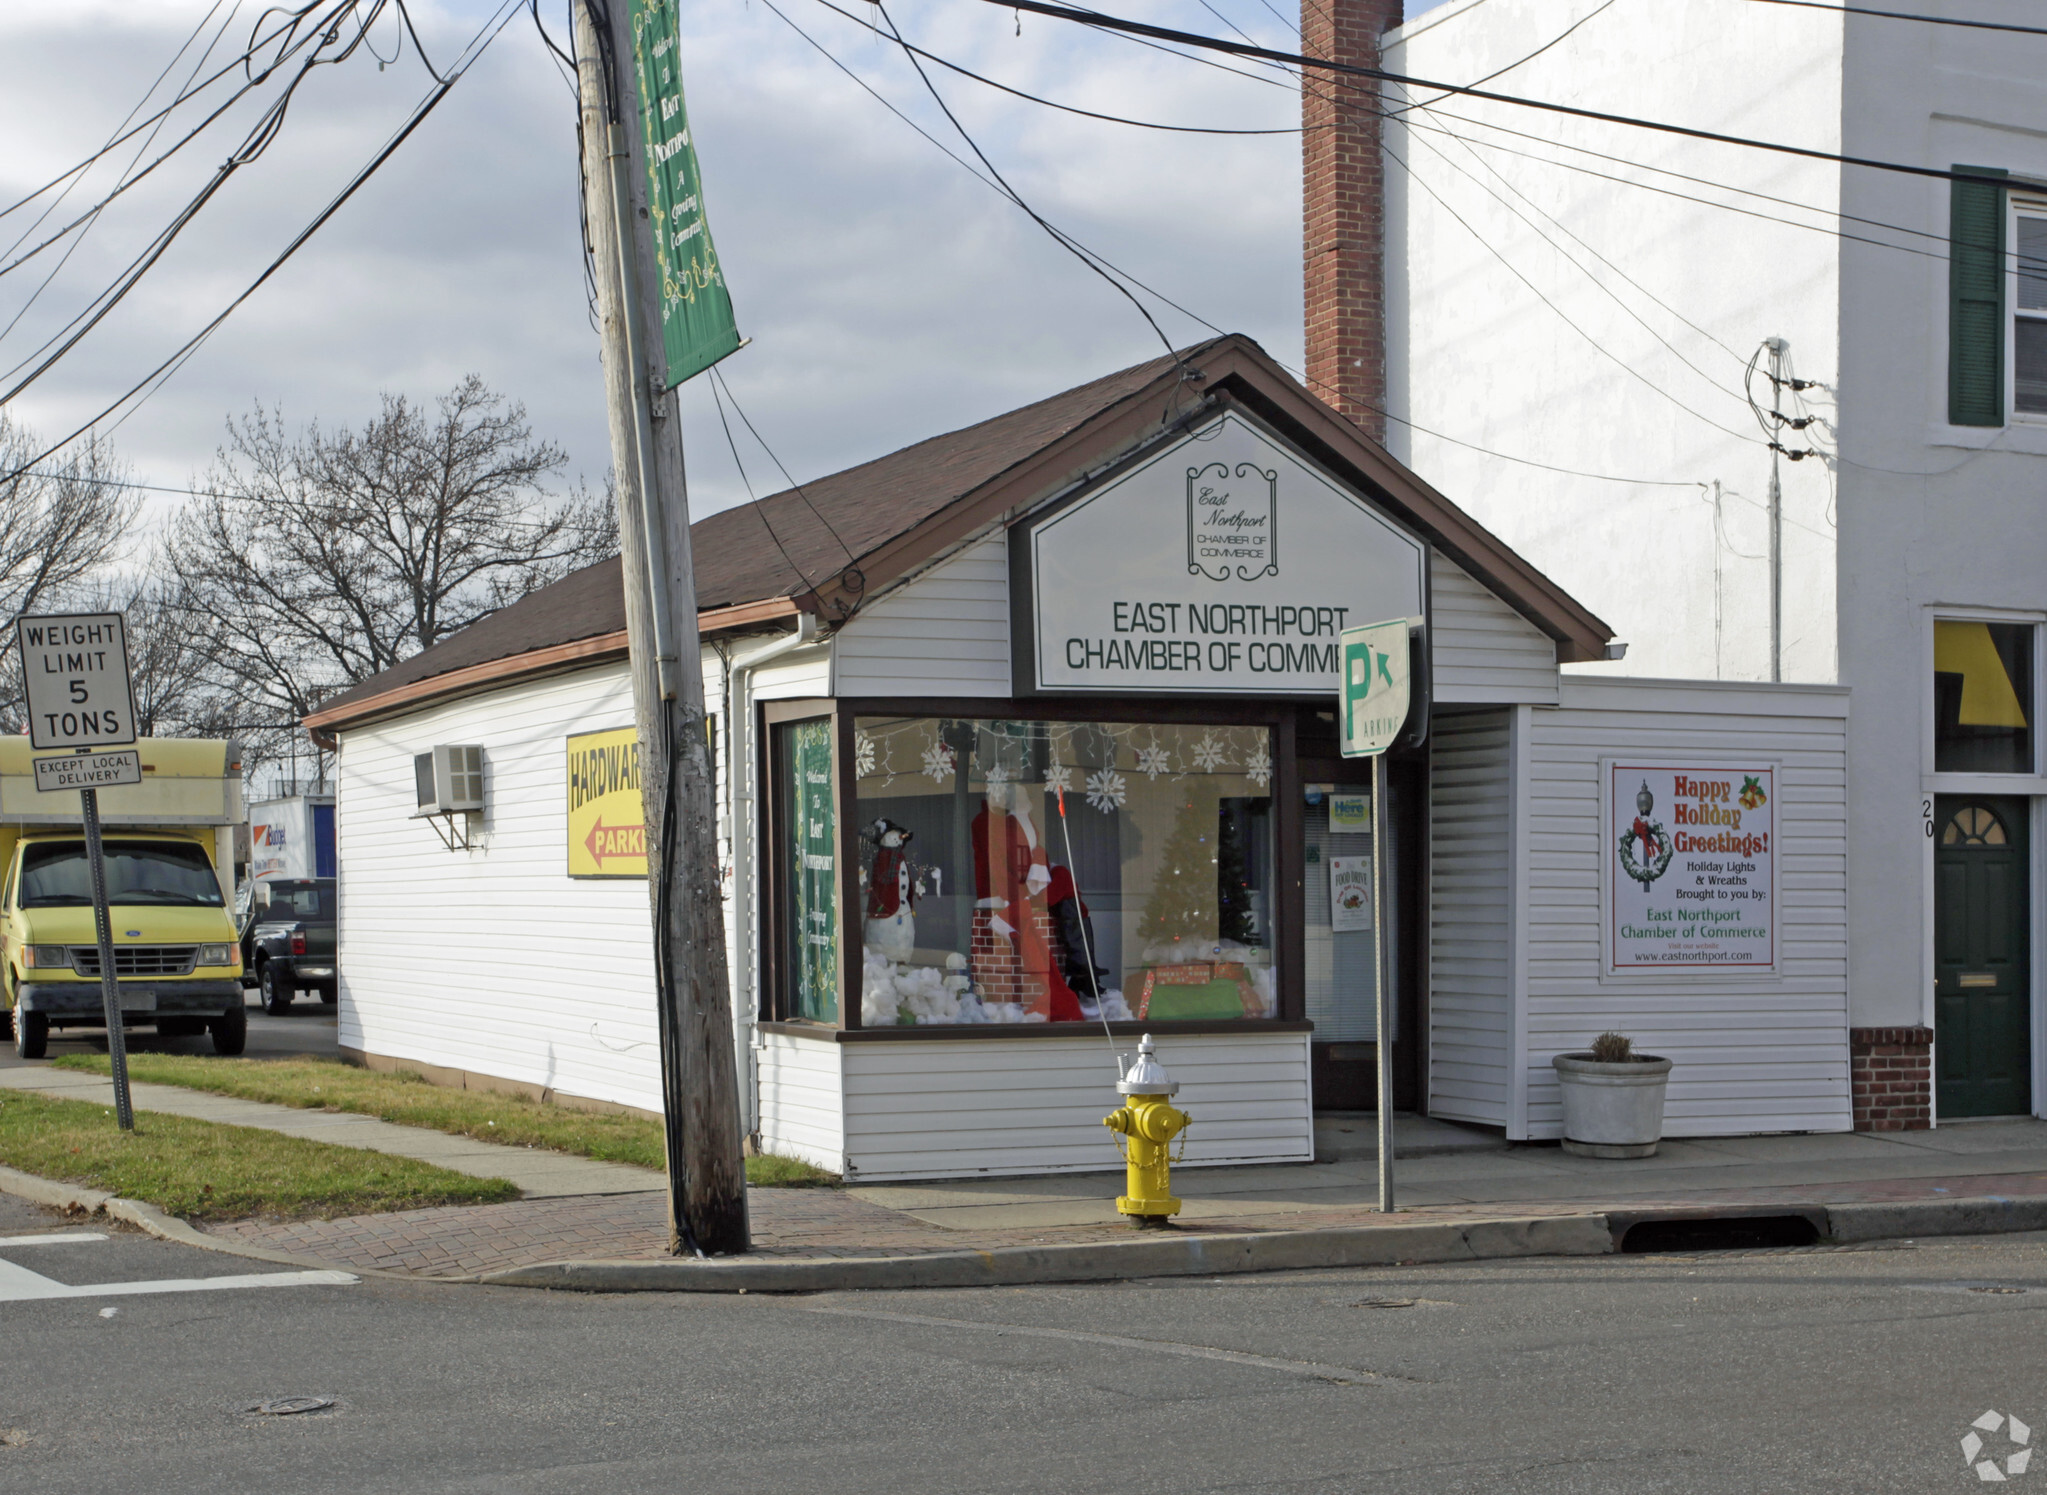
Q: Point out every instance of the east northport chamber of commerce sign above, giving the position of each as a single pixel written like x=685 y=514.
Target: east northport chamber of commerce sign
x=1222 y=562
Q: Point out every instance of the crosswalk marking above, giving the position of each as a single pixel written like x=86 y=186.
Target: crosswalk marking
x=20 y=1285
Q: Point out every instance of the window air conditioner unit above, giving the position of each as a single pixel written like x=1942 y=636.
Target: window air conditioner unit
x=450 y=780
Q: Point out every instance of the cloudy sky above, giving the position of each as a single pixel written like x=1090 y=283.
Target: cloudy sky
x=889 y=294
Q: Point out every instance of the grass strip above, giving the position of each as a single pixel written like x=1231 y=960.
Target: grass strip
x=205 y=1170
x=407 y=1099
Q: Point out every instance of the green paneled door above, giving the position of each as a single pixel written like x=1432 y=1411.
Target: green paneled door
x=1981 y=967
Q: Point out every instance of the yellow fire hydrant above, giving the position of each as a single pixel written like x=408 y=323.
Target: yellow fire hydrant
x=1150 y=1123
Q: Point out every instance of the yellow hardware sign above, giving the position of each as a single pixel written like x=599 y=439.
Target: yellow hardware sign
x=607 y=823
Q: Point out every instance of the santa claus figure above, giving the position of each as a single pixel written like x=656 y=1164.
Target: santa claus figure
x=1010 y=878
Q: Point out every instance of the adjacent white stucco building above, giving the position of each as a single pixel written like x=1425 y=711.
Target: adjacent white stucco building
x=1573 y=311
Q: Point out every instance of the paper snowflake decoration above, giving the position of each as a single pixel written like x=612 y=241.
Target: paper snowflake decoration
x=938 y=761
x=1259 y=765
x=1059 y=778
x=863 y=754
x=998 y=773
x=1105 y=790
x=1208 y=753
x=1153 y=761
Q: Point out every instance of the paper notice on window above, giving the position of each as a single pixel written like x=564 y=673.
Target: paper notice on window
x=1350 y=893
x=1350 y=813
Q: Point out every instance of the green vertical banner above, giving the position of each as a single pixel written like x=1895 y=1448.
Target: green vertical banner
x=816 y=882
x=697 y=328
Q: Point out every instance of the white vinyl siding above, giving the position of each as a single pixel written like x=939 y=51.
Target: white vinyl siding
x=492 y=959
x=944 y=632
x=801 y=1100
x=924 y=1108
x=1471 y=916
x=1755 y=1053
x=1484 y=651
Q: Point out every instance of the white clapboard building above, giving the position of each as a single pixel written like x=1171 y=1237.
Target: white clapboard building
x=1026 y=745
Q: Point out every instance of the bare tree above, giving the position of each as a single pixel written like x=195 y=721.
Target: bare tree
x=316 y=560
x=61 y=520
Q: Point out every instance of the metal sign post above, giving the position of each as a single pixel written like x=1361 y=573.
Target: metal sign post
x=1374 y=697
x=75 y=669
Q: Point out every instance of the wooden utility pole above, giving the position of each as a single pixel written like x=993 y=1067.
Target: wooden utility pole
x=699 y=1088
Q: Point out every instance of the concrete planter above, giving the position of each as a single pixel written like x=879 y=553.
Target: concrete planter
x=1612 y=1110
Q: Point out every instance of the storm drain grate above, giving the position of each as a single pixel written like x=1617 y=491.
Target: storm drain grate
x=1719 y=1233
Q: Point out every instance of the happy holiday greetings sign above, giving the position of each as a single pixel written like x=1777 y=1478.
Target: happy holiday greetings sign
x=1691 y=877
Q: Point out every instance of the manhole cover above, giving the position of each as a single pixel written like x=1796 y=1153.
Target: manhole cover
x=1996 y=1289
x=288 y=1406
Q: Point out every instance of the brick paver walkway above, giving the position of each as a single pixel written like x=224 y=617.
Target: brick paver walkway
x=826 y=1222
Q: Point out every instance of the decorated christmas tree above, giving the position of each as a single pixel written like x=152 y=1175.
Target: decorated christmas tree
x=1183 y=903
x=1232 y=883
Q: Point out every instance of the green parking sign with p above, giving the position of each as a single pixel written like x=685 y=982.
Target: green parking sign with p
x=1375 y=687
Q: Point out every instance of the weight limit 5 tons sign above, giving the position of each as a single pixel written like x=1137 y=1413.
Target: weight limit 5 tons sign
x=75 y=668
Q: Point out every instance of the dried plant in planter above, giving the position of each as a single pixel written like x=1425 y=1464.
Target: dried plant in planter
x=1613 y=1048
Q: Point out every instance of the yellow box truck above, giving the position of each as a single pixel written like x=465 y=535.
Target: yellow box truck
x=170 y=887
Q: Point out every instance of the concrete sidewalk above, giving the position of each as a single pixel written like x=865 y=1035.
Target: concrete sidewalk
x=1497 y=1199
x=1482 y=1170
x=1464 y=1193
x=538 y=1174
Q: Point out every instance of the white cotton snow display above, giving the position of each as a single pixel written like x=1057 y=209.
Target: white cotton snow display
x=878 y=1001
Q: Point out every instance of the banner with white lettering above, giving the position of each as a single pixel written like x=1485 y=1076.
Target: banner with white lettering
x=1692 y=871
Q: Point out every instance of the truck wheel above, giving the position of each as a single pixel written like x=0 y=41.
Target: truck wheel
x=230 y=1030
x=32 y=1034
x=276 y=994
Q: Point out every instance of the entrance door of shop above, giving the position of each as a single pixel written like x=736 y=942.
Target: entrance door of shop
x=1340 y=940
x=1982 y=970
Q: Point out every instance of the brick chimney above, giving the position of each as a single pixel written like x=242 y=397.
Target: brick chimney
x=1344 y=209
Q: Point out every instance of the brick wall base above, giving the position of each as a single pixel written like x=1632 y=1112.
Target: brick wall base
x=1890 y=1078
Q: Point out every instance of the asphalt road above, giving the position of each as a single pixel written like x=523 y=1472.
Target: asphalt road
x=1811 y=1371
x=308 y=1028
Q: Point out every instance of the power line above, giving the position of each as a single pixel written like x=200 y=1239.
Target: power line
x=1195 y=317
x=725 y=384
x=1114 y=119
x=265 y=131
x=127 y=179
x=289 y=24
x=1101 y=21
x=169 y=367
x=1093 y=262
x=1906 y=15
x=1563 y=316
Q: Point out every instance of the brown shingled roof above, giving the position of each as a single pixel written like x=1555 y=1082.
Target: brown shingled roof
x=841 y=538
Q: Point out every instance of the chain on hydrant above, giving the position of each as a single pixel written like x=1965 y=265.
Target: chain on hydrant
x=1150 y=1123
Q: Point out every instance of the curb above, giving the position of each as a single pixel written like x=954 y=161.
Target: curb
x=76 y=1199
x=1094 y=1261
x=1987 y=1215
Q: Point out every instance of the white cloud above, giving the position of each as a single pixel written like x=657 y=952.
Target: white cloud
x=889 y=296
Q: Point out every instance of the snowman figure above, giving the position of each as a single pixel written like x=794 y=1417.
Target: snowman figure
x=891 y=928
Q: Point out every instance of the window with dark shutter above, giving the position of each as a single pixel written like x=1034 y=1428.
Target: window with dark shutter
x=1976 y=216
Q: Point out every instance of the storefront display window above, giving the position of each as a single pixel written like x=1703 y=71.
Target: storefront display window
x=1057 y=872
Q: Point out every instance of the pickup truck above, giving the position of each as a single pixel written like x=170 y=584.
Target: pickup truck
x=167 y=841
x=288 y=941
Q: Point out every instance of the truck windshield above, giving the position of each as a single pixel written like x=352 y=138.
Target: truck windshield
x=56 y=875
